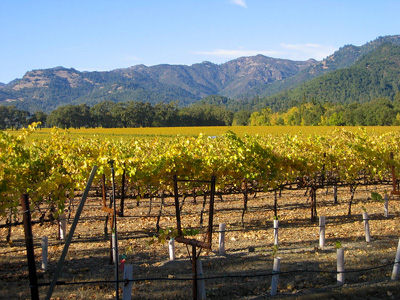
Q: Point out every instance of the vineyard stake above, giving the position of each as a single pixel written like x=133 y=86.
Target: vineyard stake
x=29 y=247
x=275 y=278
x=171 y=247
x=335 y=200
x=394 y=180
x=194 y=268
x=340 y=266
x=276 y=227
x=115 y=244
x=366 y=227
x=128 y=275
x=396 y=269
x=45 y=244
x=322 y=232
x=63 y=226
x=71 y=233
x=211 y=210
x=193 y=242
x=221 y=242
x=201 y=286
x=122 y=201
x=386 y=207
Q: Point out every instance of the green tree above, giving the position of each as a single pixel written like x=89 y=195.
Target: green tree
x=102 y=116
x=39 y=116
x=241 y=118
x=166 y=114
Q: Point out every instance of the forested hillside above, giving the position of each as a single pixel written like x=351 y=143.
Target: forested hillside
x=374 y=75
x=356 y=85
x=50 y=88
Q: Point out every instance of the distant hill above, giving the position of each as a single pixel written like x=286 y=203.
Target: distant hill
x=49 y=88
x=252 y=82
x=374 y=75
x=342 y=58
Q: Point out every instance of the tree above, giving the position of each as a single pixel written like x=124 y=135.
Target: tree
x=262 y=118
x=241 y=118
x=102 y=116
x=120 y=115
x=3 y=117
x=39 y=116
x=13 y=118
x=140 y=114
x=206 y=115
x=70 y=116
x=166 y=114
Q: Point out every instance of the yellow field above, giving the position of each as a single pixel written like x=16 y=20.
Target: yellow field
x=118 y=133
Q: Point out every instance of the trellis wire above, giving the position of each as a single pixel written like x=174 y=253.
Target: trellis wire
x=267 y=274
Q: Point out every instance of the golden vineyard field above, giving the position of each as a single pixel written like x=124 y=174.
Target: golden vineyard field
x=51 y=165
x=289 y=165
x=127 y=133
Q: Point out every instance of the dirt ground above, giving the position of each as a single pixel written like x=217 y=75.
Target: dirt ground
x=242 y=273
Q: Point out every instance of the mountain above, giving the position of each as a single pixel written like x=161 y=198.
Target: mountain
x=342 y=58
x=375 y=74
x=49 y=88
x=250 y=81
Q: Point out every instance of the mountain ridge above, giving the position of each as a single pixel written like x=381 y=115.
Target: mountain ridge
x=374 y=75
x=240 y=79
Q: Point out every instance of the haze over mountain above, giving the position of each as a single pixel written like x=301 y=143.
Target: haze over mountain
x=239 y=79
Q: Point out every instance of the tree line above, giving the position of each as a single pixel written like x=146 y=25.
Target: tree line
x=108 y=114
x=13 y=118
x=378 y=112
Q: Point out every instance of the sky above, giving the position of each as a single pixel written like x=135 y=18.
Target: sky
x=102 y=35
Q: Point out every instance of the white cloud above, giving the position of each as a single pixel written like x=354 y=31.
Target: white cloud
x=241 y=3
x=305 y=51
x=299 y=52
x=236 y=53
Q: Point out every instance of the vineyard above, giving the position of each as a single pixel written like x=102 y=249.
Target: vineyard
x=291 y=177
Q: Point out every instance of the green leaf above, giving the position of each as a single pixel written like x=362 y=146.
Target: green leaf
x=376 y=197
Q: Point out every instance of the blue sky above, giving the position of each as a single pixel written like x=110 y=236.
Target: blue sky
x=104 y=35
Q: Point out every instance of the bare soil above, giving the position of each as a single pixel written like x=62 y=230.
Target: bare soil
x=243 y=272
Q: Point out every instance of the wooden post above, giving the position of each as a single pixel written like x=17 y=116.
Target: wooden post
x=177 y=211
x=29 y=247
x=115 y=232
x=335 y=199
x=394 y=180
x=194 y=267
x=211 y=211
x=122 y=202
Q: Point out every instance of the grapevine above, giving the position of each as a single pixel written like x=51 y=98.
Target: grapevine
x=52 y=171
